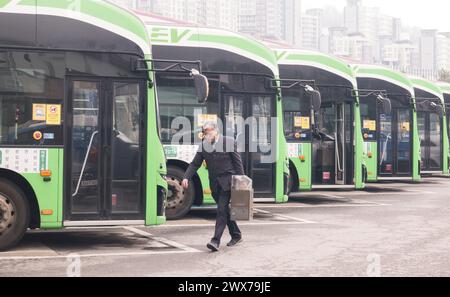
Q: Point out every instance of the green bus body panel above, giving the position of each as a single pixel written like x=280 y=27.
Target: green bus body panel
x=238 y=42
x=445 y=87
x=303 y=168
x=50 y=194
x=101 y=10
x=387 y=73
x=371 y=163
x=417 y=157
x=282 y=166
x=397 y=78
x=4 y=2
x=204 y=179
x=156 y=159
x=428 y=86
x=359 y=149
x=324 y=60
x=446 y=145
x=189 y=36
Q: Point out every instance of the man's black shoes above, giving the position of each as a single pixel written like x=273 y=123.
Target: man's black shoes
x=234 y=241
x=214 y=247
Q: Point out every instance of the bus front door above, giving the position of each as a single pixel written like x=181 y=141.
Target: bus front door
x=395 y=144
x=105 y=154
x=247 y=118
x=332 y=145
x=430 y=133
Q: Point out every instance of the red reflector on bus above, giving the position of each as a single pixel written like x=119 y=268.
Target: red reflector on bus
x=46 y=173
x=46 y=212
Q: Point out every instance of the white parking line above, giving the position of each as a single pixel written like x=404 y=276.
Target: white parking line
x=287 y=217
x=253 y=223
x=324 y=206
x=332 y=196
x=95 y=255
x=163 y=240
x=420 y=192
x=167 y=243
x=368 y=202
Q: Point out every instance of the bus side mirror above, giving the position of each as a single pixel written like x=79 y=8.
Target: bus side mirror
x=439 y=108
x=386 y=105
x=316 y=97
x=201 y=86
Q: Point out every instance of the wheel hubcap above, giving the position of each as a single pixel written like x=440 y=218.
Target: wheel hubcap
x=175 y=195
x=7 y=214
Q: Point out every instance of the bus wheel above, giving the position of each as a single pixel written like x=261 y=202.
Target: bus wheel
x=14 y=215
x=292 y=183
x=179 y=200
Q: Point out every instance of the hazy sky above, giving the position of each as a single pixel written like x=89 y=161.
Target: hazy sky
x=429 y=14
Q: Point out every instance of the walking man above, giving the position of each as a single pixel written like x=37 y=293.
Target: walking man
x=223 y=161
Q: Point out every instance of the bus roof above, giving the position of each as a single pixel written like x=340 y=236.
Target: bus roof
x=164 y=32
x=428 y=86
x=386 y=74
x=98 y=13
x=445 y=87
x=292 y=56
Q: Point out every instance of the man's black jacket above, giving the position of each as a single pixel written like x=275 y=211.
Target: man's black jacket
x=223 y=161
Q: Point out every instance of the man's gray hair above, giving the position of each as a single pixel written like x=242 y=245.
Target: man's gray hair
x=210 y=125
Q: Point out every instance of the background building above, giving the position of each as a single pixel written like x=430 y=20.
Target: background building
x=357 y=32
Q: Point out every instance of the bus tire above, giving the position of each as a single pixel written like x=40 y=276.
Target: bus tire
x=179 y=200
x=293 y=185
x=14 y=214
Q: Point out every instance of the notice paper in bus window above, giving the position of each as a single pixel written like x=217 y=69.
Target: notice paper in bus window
x=53 y=116
x=305 y=123
x=302 y=122
x=370 y=125
x=205 y=118
x=39 y=111
x=406 y=126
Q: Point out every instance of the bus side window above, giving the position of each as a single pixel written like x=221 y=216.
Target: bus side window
x=31 y=98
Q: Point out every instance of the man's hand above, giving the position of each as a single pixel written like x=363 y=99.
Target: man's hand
x=185 y=183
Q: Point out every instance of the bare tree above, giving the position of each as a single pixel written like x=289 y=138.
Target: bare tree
x=444 y=75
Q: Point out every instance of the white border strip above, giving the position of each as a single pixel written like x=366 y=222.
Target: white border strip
x=95 y=255
x=162 y=240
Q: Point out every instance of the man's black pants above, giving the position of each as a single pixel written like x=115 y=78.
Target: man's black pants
x=223 y=220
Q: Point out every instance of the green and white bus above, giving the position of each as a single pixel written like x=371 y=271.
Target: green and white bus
x=432 y=125
x=79 y=139
x=445 y=87
x=241 y=73
x=392 y=144
x=325 y=143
